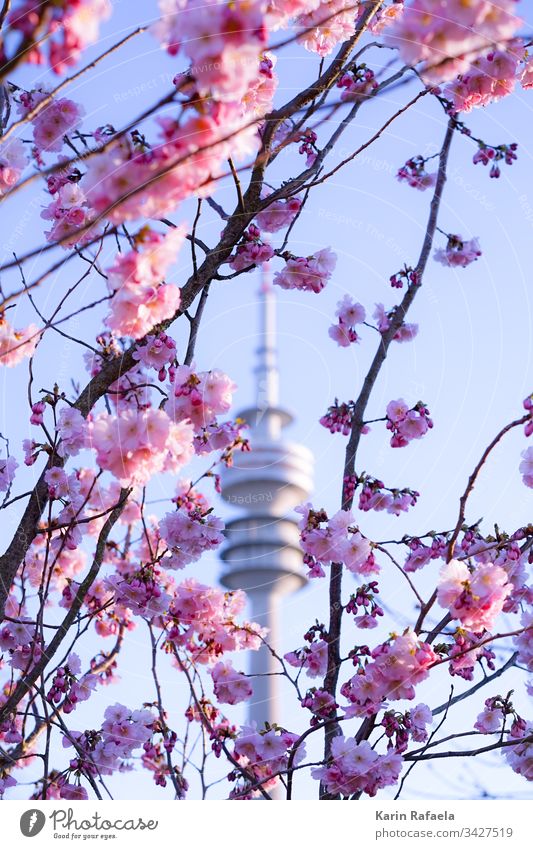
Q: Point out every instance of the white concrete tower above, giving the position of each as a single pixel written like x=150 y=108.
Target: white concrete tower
x=262 y=554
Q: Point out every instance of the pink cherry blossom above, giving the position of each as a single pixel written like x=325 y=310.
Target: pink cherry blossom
x=526 y=74
x=278 y=214
x=396 y=669
x=330 y=23
x=420 y=717
x=56 y=120
x=458 y=252
x=70 y=213
x=357 y=767
x=307 y=273
x=199 y=396
x=488 y=79
x=474 y=597
x=443 y=39
x=139 y=443
x=488 y=721
x=140 y=297
x=407 y=424
x=71 y=429
x=7 y=472
x=13 y=160
x=520 y=757
x=357 y=84
x=74 y=26
x=15 y=345
x=231 y=687
x=188 y=534
x=203 y=620
x=251 y=251
x=415 y=174
x=526 y=466
x=350 y=313
x=313 y=658
x=223 y=47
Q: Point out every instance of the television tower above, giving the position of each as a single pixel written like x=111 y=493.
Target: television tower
x=262 y=555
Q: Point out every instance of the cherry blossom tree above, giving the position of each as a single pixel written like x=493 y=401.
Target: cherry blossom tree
x=86 y=562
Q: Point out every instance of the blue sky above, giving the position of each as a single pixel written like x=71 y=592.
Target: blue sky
x=471 y=362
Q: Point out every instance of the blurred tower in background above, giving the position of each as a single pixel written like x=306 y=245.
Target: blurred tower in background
x=262 y=555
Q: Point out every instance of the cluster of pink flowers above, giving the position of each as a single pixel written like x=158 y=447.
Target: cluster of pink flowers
x=312 y=658
x=458 y=252
x=396 y=668
x=72 y=26
x=384 y=16
x=337 y=539
x=251 y=251
x=357 y=84
x=72 y=217
x=405 y=333
x=263 y=754
x=8 y=468
x=157 y=352
x=106 y=750
x=71 y=429
x=357 y=767
x=406 y=275
x=257 y=99
x=496 y=710
x=407 y=423
x=61 y=557
x=399 y=727
x=489 y=78
x=55 y=120
x=420 y=555
x=526 y=466
x=224 y=47
x=326 y=24
x=307 y=140
x=444 y=38
x=376 y=496
x=526 y=75
x=350 y=313
x=133 y=179
x=489 y=155
x=321 y=704
x=15 y=345
x=524 y=641
x=415 y=175
x=139 y=443
x=20 y=641
x=199 y=396
x=224 y=437
x=279 y=214
x=365 y=599
x=338 y=418
x=140 y=590
x=420 y=716
x=202 y=620
x=67 y=688
x=188 y=533
x=140 y=298
x=474 y=597
x=13 y=160
x=230 y=686
x=154 y=759
x=309 y=274
x=465 y=651
x=520 y=757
